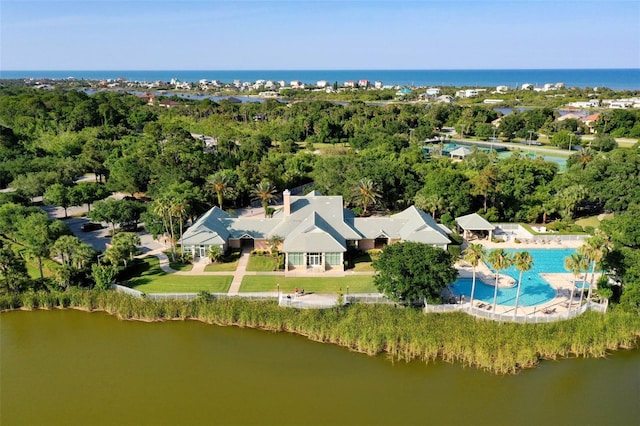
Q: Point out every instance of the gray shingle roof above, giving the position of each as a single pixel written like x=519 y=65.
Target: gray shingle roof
x=316 y=224
x=474 y=222
x=209 y=229
x=411 y=224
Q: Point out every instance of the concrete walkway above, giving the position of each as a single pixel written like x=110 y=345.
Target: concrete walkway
x=239 y=273
x=200 y=264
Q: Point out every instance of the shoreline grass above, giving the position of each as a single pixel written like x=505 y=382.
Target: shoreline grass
x=403 y=334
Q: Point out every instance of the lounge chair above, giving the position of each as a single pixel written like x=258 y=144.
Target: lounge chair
x=549 y=310
x=480 y=305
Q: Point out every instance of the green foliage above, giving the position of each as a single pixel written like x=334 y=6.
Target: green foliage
x=123 y=247
x=13 y=271
x=117 y=212
x=411 y=272
x=214 y=253
x=103 y=275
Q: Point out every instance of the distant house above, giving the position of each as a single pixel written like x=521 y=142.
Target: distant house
x=445 y=99
x=590 y=121
x=433 y=91
x=404 y=92
x=322 y=84
x=349 y=83
x=169 y=104
x=363 y=83
x=593 y=103
x=149 y=98
x=317 y=231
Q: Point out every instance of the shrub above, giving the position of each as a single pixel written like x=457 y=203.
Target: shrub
x=456 y=238
x=454 y=250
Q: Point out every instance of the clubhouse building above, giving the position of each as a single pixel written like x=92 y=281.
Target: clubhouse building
x=316 y=231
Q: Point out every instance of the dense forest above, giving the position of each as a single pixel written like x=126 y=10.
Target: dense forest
x=50 y=138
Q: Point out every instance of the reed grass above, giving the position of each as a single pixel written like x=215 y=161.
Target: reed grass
x=402 y=334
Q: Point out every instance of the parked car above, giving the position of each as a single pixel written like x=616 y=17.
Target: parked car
x=90 y=226
x=129 y=227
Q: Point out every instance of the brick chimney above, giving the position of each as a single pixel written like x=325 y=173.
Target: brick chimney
x=286 y=201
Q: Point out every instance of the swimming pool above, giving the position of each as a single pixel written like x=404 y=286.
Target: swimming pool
x=535 y=290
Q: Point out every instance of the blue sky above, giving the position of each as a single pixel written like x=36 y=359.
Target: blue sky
x=300 y=34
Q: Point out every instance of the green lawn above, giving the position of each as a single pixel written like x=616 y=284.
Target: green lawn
x=146 y=276
x=221 y=267
x=362 y=263
x=48 y=265
x=591 y=221
x=356 y=283
x=262 y=263
x=229 y=263
x=180 y=266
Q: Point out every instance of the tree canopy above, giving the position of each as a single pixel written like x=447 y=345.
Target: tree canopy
x=410 y=272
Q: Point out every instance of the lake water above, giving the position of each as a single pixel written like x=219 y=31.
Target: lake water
x=71 y=367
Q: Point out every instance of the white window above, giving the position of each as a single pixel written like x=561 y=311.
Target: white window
x=314 y=259
x=333 y=259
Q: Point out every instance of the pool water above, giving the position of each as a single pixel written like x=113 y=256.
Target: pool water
x=535 y=289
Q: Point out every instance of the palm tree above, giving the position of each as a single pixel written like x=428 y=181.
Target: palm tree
x=274 y=242
x=214 y=253
x=431 y=203
x=162 y=208
x=220 y=184
x=574 y=263
x=523 y=262
x=178 y=208
x=473 y=255
x=594 y=249
x=569 y=197
x=499 y=260
x=265 y=192
x=365 y=193
x=585 y=156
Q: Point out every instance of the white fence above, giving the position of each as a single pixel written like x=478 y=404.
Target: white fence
x=535 y=317
x=329 y=301
x=515 y=230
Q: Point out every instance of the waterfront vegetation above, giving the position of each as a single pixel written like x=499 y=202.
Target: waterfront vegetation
x=403 y=334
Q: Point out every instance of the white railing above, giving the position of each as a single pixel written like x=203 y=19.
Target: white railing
x=126 y=290
x=534 y=317
x=367 y=298
x=305 y=302
x=538 y=316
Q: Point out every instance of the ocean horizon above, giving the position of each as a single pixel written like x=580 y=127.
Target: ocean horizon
x=617 y=79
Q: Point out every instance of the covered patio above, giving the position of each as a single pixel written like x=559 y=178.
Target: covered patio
x=474 y=225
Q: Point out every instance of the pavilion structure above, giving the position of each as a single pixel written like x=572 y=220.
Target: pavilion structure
x=474 y=224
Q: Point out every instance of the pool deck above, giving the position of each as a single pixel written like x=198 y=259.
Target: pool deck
x=562 y=283
x=553 y=244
